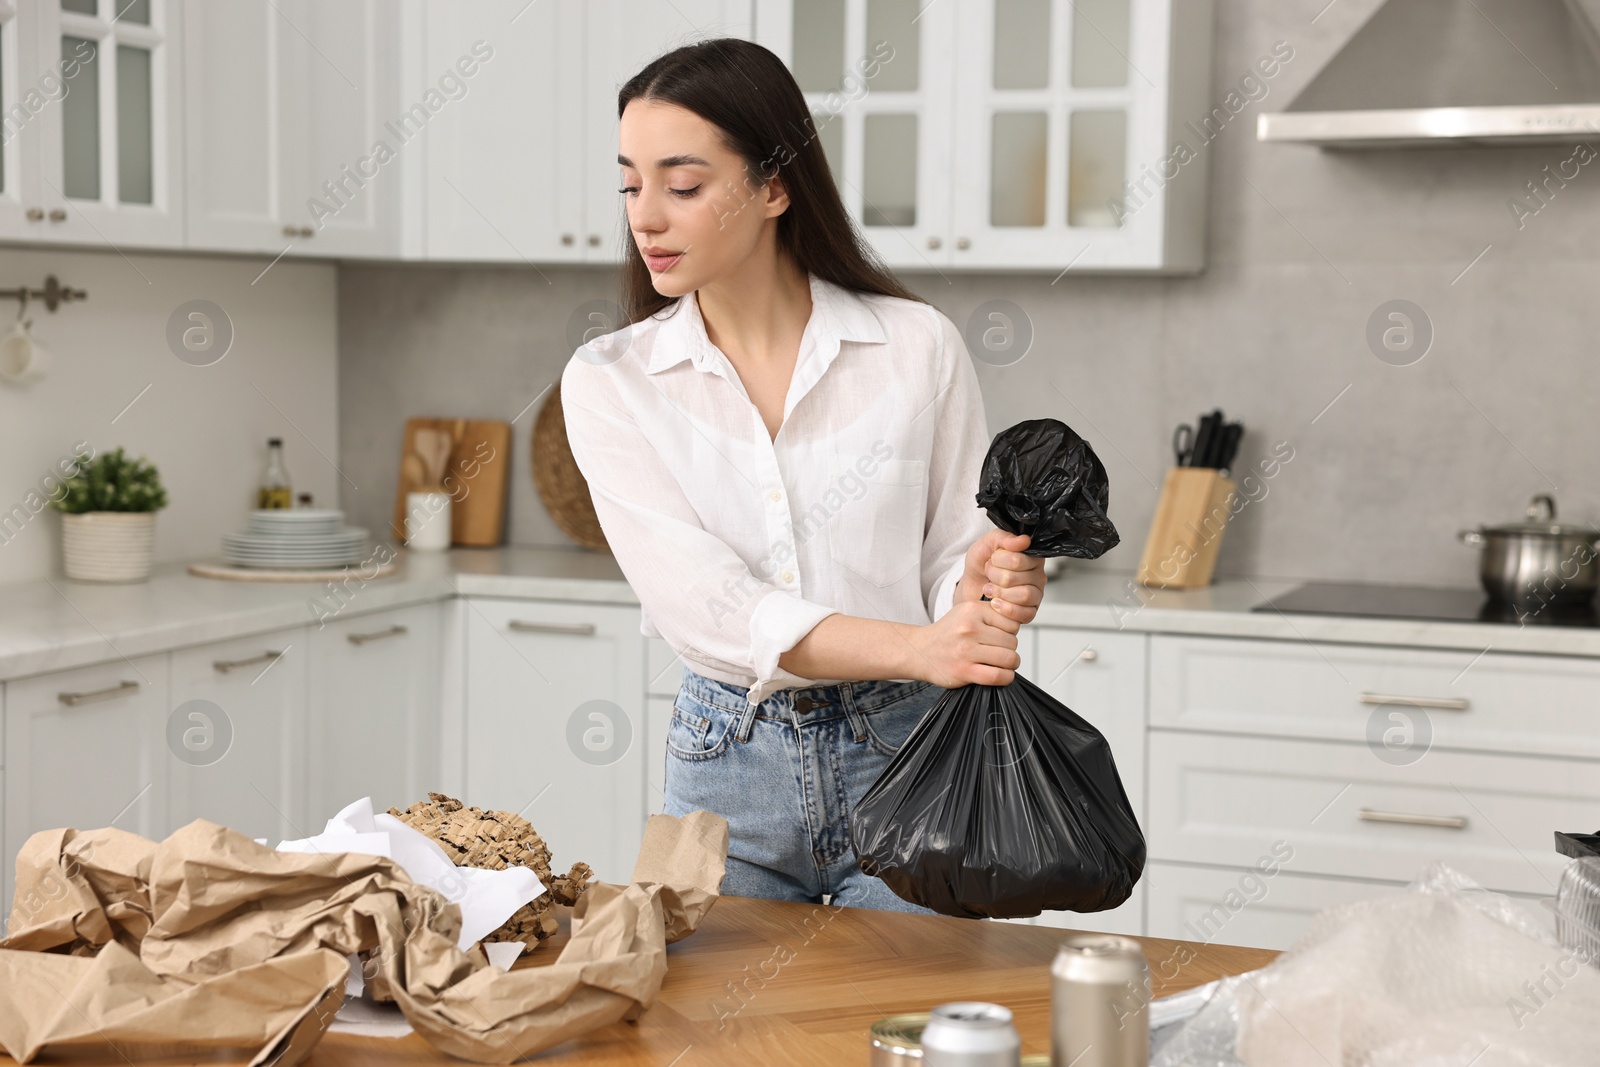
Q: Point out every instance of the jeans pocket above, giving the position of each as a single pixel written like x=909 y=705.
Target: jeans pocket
x=698 y=731
x=889 y=725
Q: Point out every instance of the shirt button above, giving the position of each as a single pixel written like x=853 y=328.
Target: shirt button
x=788 y=576
x=775 y=495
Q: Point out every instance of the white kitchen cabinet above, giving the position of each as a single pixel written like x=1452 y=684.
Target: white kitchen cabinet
x=85 y=748
x=1397 y=698
x=523 y=167
x=621 y=36
x=1100 y=674
x=663 y=678
x=1224 y=799
x=994 y=134
x=300 y=134
x=24 y=100
x=879 y=79
x=658 y=716
x=555 y=725
x=1226 y=906
x=237 y=756
x=98 y=157
x=1218 y=905
x=504 y=163
x=664 y=668
x=374 y=724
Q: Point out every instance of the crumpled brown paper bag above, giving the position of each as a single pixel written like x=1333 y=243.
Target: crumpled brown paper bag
x=211 y=942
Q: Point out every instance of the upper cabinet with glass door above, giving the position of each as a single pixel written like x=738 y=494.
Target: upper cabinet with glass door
x=1045 y=139
x=103 y=164
x=877 y=77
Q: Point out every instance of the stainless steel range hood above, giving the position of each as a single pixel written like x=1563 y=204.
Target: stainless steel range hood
x=1449 y=72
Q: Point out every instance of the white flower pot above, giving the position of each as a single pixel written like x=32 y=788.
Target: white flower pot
x=108 y=546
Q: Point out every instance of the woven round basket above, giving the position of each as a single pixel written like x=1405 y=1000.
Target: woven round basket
x=561 y=485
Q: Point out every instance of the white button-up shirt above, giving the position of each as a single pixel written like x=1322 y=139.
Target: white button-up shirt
x=738 y=544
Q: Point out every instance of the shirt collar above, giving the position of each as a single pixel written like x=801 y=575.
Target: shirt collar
x=837 y=314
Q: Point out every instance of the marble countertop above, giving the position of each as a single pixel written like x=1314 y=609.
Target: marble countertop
x=54 y=624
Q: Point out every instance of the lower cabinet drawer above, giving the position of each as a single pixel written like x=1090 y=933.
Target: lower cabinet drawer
x=1126 y=919
x=1232 y=907
x=1404 y=698
x=1225 y=800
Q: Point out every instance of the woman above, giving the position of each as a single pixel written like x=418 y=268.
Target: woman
x=783 y=450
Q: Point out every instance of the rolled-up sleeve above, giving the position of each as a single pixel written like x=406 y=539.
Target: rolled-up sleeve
x=705 y=599
x=960 y=441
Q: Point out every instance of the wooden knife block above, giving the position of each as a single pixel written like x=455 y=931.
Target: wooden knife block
x=1186 y=533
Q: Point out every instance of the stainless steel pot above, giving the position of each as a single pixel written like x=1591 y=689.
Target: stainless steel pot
x=1537 y=562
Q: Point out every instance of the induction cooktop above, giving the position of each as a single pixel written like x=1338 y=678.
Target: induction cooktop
x=1423 y=602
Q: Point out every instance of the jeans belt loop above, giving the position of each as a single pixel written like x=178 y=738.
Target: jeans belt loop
x=747 y=718
x=858 y=721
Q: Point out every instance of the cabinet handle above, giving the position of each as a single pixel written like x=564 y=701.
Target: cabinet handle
x=291 y=231
x=72 y=700
x=58 y=214
x=1438 y=703
x=1444 y=822
x=35 y=214
x=934 y=242
x=567 y=239
x=226 y=665
x=1088 y=655
x=361 y=639
x=594 y=240
x=963 y=243
x=582 y=629
x=307 y=231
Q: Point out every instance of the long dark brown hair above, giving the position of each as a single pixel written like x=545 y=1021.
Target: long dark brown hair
x=746 y=92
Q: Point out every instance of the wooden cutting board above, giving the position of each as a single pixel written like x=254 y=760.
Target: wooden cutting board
x=477 y=478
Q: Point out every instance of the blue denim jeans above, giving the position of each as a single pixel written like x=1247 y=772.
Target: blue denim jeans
x=786 y=775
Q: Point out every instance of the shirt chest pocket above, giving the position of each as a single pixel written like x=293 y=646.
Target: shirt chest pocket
x=876 y=510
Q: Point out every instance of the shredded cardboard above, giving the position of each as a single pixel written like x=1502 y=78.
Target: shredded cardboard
x=495 y=840
x=211 y=942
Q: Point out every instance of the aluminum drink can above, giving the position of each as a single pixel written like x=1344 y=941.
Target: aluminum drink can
x=1099 y=1003
x=970 y=1033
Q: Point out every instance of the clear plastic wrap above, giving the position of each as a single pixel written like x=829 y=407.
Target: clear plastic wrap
x=1443 y=975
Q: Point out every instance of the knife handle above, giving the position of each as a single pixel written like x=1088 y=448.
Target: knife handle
x=1204 y=442
x=1231 y=435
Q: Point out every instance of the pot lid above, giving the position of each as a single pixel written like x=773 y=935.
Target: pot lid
x=1541 y=522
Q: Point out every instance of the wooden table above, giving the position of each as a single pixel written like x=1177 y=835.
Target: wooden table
x=772 y=984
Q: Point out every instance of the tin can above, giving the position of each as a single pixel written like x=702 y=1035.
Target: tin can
x=1099 y=1003
x=970 y=1033
x=897 y=1040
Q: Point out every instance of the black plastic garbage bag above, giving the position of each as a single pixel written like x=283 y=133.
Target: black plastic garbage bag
x=1042 y=479
x=1003 y=802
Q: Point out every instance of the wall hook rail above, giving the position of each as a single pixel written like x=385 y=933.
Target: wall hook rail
x=53 y=294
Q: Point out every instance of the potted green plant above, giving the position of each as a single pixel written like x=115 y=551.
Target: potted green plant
x=108 y=525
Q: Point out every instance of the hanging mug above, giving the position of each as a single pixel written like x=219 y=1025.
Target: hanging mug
x=23 y=358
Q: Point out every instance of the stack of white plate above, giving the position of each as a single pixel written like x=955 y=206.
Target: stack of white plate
x=294 y=538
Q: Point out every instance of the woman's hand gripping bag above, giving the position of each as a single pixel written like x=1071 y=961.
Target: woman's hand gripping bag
x=1003 y=802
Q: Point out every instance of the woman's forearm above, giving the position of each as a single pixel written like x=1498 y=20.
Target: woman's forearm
x=846 y=646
